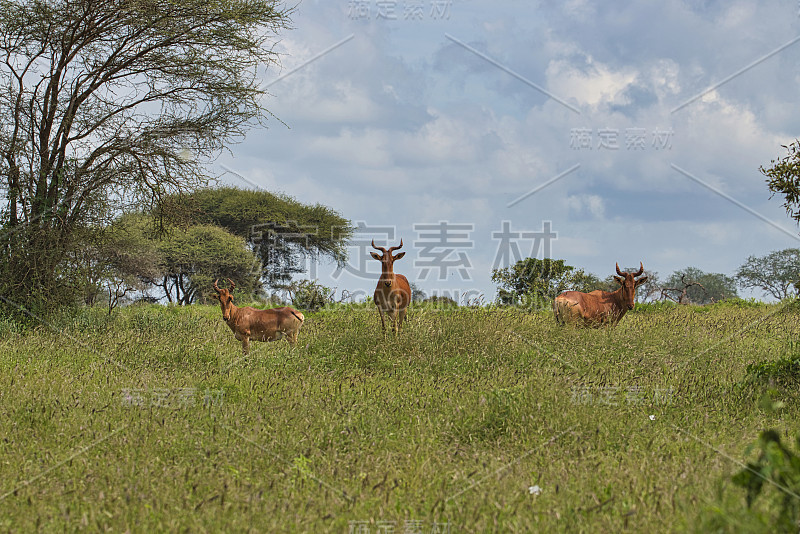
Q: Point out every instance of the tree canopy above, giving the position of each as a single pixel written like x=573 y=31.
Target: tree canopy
x=776 y=274
x=181 y=262
x=105 y=104
x=692 y=285
x=189 y=240
x=281 y=231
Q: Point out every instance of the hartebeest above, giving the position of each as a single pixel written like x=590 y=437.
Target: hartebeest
x=258 y=325
x=599 y=307
x=393 y=293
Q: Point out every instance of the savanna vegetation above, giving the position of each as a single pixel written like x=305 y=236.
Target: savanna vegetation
x=479 y=418
x=175 y=251
x=485 y=419
x=109 y=107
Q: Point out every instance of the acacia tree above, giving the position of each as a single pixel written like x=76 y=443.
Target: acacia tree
x=180 y=263
x=776 y=274
x=104 y=103
x=193 y=258
x=280 y=230
x=692 y=285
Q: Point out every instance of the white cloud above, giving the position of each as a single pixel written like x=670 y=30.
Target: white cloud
x=737 y=15
x=444 y=139
x=591 y=204
x=664 y=78
x=400 y=125
x=344 y=103
x=591 y=83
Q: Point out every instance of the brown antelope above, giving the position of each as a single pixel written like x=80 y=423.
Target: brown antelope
x=258 y=325
x=393 y=293
x=599 y=307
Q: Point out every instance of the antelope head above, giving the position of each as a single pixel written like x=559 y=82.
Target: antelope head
x=225 y=298
x=629 y=284
x=387 y=261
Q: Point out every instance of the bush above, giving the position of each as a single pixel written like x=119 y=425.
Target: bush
x=779 y=466
x=784 y=372
x=9 y=325
x=772 y=481
x=310 y=295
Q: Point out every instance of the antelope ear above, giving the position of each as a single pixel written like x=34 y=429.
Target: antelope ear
x=397 y=257
x=376 y=256
x=620 y=280
x=640 y=281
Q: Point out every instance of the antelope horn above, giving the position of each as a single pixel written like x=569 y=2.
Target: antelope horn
x=378 y=248
x=216 y=287
x=233 y=286
x=391 y=249
x=640 y=271
x=619 y=272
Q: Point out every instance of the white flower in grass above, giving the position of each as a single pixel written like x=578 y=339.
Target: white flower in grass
x=652 y=417
x=535 y=490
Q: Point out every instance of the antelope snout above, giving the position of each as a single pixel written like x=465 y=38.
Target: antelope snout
x=387 y=284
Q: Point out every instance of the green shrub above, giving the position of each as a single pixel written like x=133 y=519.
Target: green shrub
x=784 y=372
x=772 y=484
x=311 y=295
x=780 y=468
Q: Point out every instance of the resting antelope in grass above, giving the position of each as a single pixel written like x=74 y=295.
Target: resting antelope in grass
x=599 y=307
x=393 y=293
x=258 y=325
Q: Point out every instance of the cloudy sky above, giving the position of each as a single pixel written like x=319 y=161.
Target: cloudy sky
x=468 y=127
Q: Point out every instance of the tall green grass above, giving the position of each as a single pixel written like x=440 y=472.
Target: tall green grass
x=150 y=419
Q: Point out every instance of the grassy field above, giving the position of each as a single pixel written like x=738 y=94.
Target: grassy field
x=475 y=420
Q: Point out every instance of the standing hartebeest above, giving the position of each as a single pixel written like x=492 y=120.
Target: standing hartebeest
x=259 y=325
x=599 y=307
x=393 y=293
